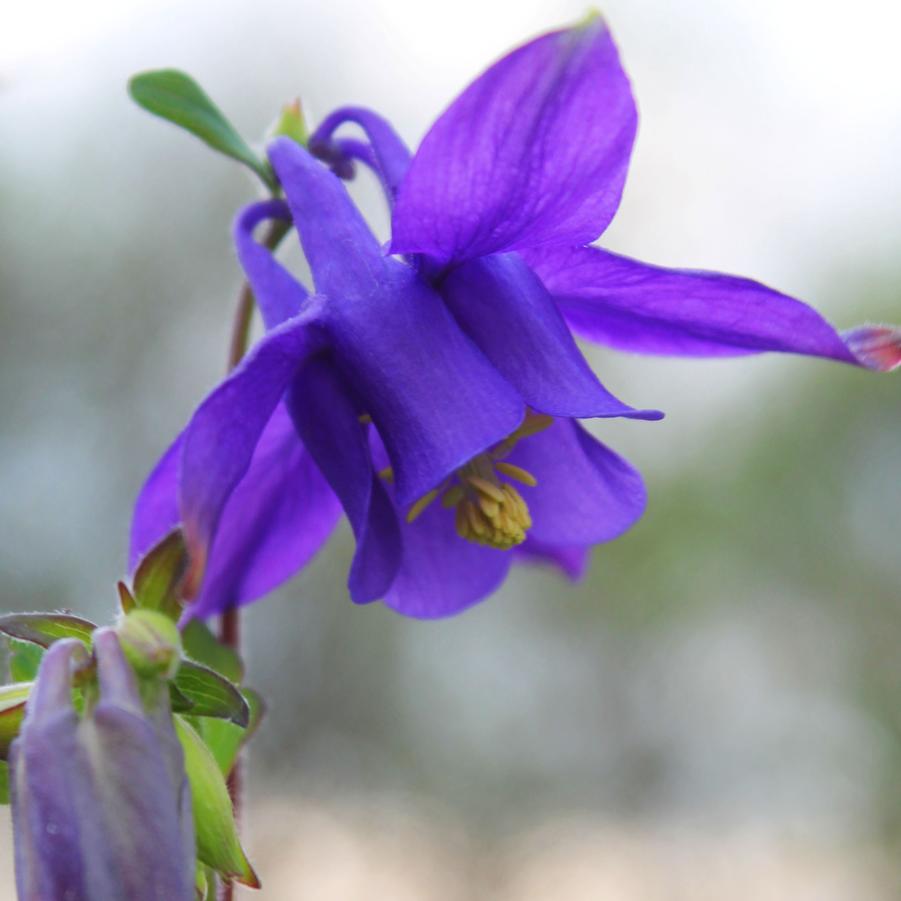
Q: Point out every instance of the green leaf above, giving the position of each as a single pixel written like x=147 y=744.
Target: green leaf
x=201 y=645
x=174 y=95
x=24 y=660
x=178 y=702
x=218 y=845
x=12 y=712
x=210 y=694
x=204 y=883
x=225 y=739
x=126 y=598
x=159 y=574
x=4 y=782
x=45 y=628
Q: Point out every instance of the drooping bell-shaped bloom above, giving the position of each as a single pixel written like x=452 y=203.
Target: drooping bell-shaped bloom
x=493 y=215
x=100 y=802
x=394 y=404
x=526 y=168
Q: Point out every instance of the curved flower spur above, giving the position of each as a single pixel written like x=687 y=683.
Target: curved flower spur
x=494 y=213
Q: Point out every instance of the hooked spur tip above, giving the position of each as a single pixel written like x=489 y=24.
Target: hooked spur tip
x=877 y=347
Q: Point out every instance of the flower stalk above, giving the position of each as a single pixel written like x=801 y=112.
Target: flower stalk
x=230 y=621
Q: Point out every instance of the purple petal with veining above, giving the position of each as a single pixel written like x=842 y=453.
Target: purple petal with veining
x=534 y=152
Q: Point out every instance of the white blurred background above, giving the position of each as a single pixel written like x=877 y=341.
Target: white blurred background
x=714 y=713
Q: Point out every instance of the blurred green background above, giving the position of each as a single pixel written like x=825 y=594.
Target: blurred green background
x=716 y=710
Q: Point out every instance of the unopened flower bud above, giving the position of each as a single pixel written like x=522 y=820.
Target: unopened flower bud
x=291 y=124
x=101 y=806
x=151 y=643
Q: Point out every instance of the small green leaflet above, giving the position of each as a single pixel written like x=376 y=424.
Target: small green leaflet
x=174 y=95
x=201 y=645
x=218 y=845
x=158 y=574
x=24 y=660
x=4 y=782
x=225 y=739
x=210 y=694
x=45 y=628
x=12 y=712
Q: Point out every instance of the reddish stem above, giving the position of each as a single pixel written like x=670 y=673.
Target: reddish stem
x=230 y=622
x=230 y=634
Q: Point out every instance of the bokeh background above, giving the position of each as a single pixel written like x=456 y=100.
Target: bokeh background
x=715 y=712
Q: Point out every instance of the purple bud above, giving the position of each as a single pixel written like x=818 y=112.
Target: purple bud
x=101 y=805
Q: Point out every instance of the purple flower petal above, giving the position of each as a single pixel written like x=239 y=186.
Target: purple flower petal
x=45 y=766
x=221 y=438
x=51 y=696
x=434 y=397
x=278 y=294
x=277 y=518
x=327 y=417
x=345 y=258
x=638 y=307
x=390 y=154
x=571 y=559
x=441 y=574
x=156 y=511
x=136 y=785
x=502 y=305
x=586 y=494
x=534 y=152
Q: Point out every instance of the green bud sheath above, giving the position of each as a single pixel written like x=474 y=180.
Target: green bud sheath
x=218 y=845
x=151 y=643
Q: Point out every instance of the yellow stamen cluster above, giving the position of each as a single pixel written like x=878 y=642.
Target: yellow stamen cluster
x=489 y=511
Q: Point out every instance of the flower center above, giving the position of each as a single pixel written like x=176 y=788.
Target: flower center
x=489 y=510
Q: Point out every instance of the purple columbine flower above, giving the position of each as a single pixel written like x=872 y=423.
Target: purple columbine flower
x=394 y=404
x=101 y=805
x=463 y=359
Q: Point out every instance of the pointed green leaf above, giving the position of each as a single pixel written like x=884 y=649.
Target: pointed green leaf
x=126 y=598
x=201 y=645
x=204 y=883
x=13 y=695
x=178 y=702
x=174 y=95
x=24 y=660
x=218 y=845
x=210 y=694
x=4 y=782
x=158 y=576
x=45 y=628
x=225 y=739
x=12 y=712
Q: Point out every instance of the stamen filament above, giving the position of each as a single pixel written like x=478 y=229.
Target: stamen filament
x=422 y=503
